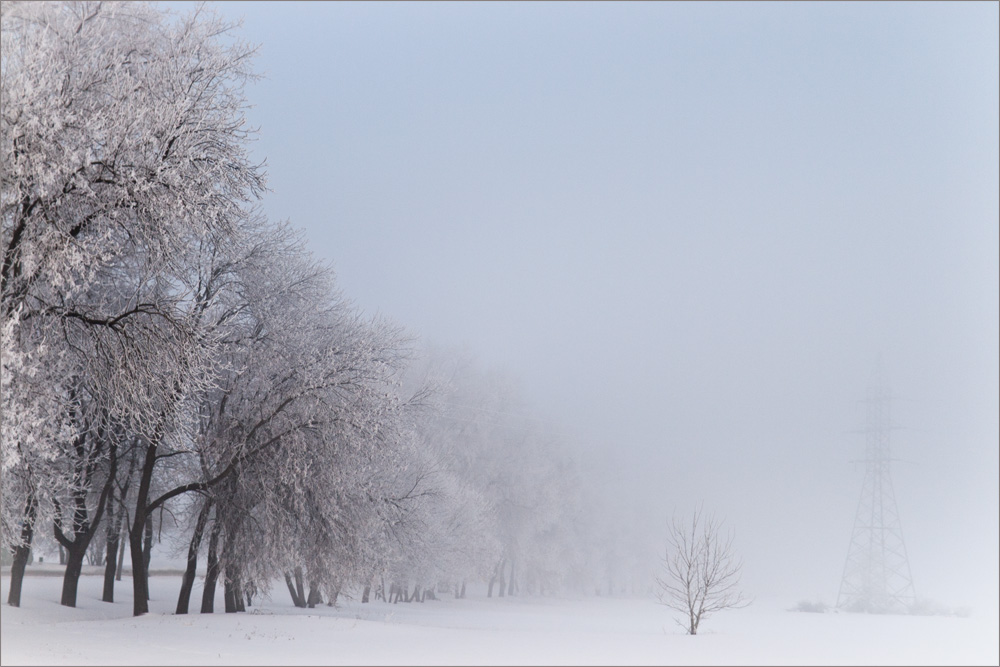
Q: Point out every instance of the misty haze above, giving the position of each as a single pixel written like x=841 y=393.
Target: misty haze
x=500 y=333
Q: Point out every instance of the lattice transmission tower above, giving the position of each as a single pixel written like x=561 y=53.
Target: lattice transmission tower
x=877 y=574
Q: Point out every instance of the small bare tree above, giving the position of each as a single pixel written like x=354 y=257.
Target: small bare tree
x=701 y=573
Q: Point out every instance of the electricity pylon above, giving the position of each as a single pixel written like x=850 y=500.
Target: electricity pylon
x=877 y=573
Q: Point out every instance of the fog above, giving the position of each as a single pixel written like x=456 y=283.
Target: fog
x=691 y=231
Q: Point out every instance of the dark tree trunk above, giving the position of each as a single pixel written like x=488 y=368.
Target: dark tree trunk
x=140 y=582
x=113 y=535
x=229 y=592
x=212 y=575
x=140 y=585
x=417 y=597
x=71 y=579
x=187 y=583
x=296 y=600
x=83 y=532
x=147 y=548
x=299 y=584
x=314 y=596
x=109 y=571
x=365 y=593
x=23 y=551
x=233 y=593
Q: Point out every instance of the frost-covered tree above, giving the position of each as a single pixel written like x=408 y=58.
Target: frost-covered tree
x=311 y=430
x=31 y=425
x=493 y=456
x=166 y=347
x=287 y=436
x=123 y=143
x=701 y=571
x=83 y=476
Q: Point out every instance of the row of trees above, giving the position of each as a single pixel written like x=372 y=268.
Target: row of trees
x=167 y=348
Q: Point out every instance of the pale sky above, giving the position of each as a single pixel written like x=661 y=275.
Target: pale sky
x=689 y=229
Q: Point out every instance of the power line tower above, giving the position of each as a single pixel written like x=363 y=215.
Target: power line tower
x=877 y=573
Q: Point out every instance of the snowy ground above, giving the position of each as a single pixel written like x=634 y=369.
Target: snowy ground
x=520 y=630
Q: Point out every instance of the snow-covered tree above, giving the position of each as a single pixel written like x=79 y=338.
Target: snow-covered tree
x=123 y=143
x=701 y=571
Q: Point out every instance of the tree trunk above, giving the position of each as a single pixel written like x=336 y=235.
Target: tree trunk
x=416 y=594
x=121 y=559
x=109 y=571
x=299 y=584
x=229 y=591
x=121 y=517
x=147 y=549
x=140 y=583
x=462 y=595
x=187 y=583
x=510 y=588
x=497 y=574
x=296 y=600
x=71 y=579
x=233 y=593
x=83 y=532
x=22 y=552
x=314 y=596
x=238 y=590
x=365 y=593
x=212 y=575
x=111 y=548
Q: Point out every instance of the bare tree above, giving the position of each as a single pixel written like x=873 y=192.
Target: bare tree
x=701 y=572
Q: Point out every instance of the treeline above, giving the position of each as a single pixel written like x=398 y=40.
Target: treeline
x=166 y=347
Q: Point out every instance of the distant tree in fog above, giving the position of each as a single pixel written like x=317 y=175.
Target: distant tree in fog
x=701 y=571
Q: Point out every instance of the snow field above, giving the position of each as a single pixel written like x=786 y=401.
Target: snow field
x=476 y=630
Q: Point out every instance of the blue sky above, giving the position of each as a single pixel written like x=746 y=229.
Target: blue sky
x=690 y=229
